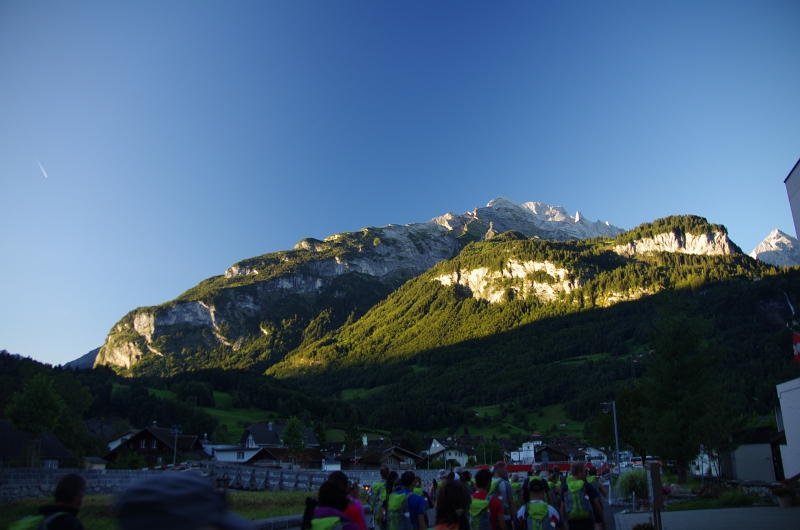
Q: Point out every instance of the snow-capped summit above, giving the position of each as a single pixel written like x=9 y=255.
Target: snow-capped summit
x=778 y=249
x=531 y=218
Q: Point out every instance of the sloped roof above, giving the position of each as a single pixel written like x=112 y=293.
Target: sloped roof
x=265 y=433
x=185 y=442
x=13 y=444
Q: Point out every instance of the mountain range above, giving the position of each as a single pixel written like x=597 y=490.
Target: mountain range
x=470 y=309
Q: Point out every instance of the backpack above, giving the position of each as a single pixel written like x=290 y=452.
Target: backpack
x=499 y=490
x=327 y=523
x=576 y=501
x=35 y=522
x=516 y=489
x=538 y=515
x=480 y=517
x=397 y=515
x=377 y=496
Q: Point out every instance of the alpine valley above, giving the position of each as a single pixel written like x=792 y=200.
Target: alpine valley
x=511 y=303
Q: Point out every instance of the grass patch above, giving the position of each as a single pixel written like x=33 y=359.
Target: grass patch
x=350 y=394
x=163 y=394
x=235 y=420
x=96 y=510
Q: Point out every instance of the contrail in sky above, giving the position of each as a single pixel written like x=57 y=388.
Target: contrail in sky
x=43 y=171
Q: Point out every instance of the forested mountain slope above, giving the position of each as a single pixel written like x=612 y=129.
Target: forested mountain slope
x=542 y=322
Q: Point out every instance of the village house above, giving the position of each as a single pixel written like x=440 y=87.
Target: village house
x=156 y=444
x=271 y=457
x=373 y=458
x=15 y=444
x=268 y=434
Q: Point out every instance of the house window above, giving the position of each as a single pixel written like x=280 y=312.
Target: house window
x=51 y=464
x=155 y=444
x=250 y=442
x=142 y=444
x=390 y=460
x=240 y=455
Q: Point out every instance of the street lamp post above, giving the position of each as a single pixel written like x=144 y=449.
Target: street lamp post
x=176 y=430
x=616 y=439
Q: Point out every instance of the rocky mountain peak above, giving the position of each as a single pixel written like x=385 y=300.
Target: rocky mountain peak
x=779 y=249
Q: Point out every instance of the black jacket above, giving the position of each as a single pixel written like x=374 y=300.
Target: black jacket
x=66 y=521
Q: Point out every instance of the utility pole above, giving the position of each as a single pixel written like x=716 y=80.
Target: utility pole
x=616 y=438
x=176 y=430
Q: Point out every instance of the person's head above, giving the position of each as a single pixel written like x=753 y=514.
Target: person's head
x=536 y=489
x=515 y=477
x=340 y=478
x=444 y=474
x=578 y=470
x=70 y=490
x=556 y=471
x=417 y=481
x=466 y=476
x=333 y=495
x=407 y=479
x=483 y=479
x=452 y=504
x=384 y=472
x=500 y=469
x=180 y=501
x=536 y=469
x=592 y=471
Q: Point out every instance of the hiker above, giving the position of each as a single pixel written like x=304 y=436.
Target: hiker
x=354 y=510
x=467 y=478
x=501 y=489
x=326 y=512
x=452 y=506
x=404 y=508
x=593 y=480
x=580 y=503
x=62 y=514
x=516 y=487
x=419 y=490
x=176 y=500
x=377 y=494
x=487 y=512
x=536 y=513
x=536 y=475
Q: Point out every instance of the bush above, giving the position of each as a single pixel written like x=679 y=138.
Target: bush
x=708 y=491
x=634 y=481
x=736 y=498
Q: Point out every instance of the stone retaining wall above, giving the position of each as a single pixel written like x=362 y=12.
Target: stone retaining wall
x=21 y=483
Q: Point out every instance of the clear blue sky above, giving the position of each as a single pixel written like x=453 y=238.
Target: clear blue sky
x=181 y=137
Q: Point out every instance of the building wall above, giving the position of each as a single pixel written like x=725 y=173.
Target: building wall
x=793 y=190
x=789 y=396
x=753 y=462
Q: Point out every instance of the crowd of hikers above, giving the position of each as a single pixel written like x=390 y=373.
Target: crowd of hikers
x=491 y=500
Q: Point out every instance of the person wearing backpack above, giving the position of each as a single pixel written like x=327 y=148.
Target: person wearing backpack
x=354 y=510
x=536 y=469
x=326 y=512
x=580 y=502
x=452 y=506
x=536 y=513
x=62 y=514
x=377 y=495
x=404 y=508
x=591 y=478
x=501 y=488
x=486 y=513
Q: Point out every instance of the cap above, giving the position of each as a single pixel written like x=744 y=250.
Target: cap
x=443 y=473
x=458 y=470
x=536 y=467
x=175 y=500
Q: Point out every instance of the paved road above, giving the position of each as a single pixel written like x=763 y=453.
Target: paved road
x=718 y=519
